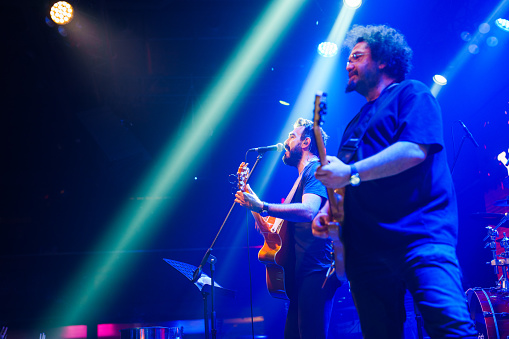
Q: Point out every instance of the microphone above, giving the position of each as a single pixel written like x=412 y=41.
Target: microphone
x=279 y=147
x=469 y=135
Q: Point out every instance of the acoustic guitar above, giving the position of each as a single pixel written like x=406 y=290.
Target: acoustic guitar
x=336 y=196
x=276 y=249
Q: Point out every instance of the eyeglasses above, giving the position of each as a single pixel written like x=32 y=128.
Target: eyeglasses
x=355 y=57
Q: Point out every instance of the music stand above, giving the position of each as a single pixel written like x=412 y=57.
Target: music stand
x=204 y=284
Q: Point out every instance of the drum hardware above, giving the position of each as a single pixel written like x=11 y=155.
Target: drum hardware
x=492 y=218
x=496 y=262
x=502 y=203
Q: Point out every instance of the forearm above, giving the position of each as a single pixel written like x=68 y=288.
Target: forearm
x=297 y=212
x=391 y=161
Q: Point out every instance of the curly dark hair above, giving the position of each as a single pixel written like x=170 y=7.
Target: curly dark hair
x=387 y=46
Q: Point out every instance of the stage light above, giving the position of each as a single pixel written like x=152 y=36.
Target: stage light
x=484 y=28
x=492 y=41
x=284 y=103
x=503 y=24
x=61 y=13
x=327 y=49
x=440 y=80
x=465 y=36
x=473 y=49
x=353 y=3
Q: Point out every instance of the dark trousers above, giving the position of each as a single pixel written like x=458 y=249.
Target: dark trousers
x=310 y=307
x=431 y=274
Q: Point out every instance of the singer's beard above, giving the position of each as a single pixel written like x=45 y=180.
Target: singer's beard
x=294 y=158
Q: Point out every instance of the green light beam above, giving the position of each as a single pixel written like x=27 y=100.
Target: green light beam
x=180 y=155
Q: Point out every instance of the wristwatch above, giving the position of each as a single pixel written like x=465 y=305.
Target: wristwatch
x=265 y=210
x=355 y=179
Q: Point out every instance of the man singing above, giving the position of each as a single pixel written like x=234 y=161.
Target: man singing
x=310 y=305
x=400 y=226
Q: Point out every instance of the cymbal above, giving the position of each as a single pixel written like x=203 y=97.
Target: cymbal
x=503 y=202
x=491 y=217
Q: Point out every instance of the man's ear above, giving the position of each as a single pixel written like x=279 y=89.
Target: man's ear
x=306 y=142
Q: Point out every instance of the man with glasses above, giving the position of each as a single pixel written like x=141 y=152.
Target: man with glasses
x=400 y=222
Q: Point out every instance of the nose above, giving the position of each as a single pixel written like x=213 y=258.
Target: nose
x=349 y=66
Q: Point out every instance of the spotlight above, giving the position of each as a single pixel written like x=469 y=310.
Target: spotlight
x=440 y=80
x=353 y=3
x=473 y=49
x=492 y=41
x=465 y=36
x=327 y=49
x=484 y=28
x=503 y=24
x=61 y=13
x=284 y=103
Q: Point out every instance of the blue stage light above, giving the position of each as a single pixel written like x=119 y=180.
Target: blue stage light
x=503 y=24
x=327 y=49
x=440 y=80
x=353 y=3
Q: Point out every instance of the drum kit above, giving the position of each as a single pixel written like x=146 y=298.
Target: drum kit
x=489 y=307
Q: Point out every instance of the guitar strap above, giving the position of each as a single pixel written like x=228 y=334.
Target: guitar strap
x=351 y=145
x=278 y=222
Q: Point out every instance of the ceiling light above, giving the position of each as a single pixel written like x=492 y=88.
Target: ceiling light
x=440 y=80
x=353 y=3
x=61 y=13
x=327 y=49
x=502 y=24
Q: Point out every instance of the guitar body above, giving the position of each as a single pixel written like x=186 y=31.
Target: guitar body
x=274 y=254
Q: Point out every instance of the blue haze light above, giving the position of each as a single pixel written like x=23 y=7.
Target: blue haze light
x=503 y=24
x=327 y=49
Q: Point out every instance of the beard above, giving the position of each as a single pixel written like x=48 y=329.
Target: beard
x=365 y=81
x=350 y=86
x=294 y=158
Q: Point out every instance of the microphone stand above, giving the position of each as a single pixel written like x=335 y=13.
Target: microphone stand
x=208 y=257
x=458 y=154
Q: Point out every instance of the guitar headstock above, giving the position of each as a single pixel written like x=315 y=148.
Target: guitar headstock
x=242 y=174
x=320 y=108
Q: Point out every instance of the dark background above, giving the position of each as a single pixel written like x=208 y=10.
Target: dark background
x=85 y=117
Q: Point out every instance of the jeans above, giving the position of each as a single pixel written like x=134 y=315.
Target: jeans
x=431 y=274
x=310 y=308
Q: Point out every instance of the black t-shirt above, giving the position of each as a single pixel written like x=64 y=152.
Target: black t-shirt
x=311 y=254
x=413 y=207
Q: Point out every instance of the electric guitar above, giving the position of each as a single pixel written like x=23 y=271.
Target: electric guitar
x=275 y=250
x=336 y=196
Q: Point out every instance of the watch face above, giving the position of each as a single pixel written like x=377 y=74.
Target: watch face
x=355 y=180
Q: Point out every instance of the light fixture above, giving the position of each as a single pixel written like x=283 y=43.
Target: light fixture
x=440 y=80
x=353 y=3
x=503 y=24
x=61 y=13
x=492 y=41
x=484 y=28
x=327 y=49
x=473 y=49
